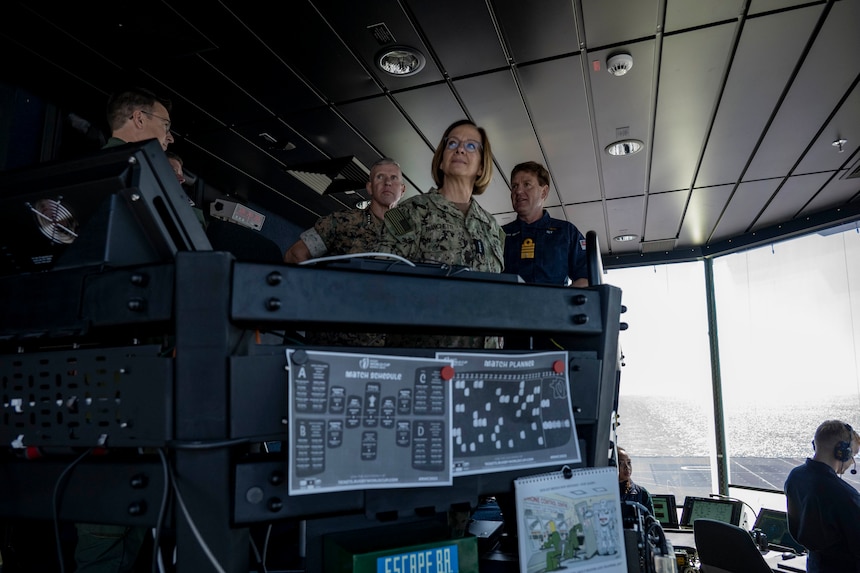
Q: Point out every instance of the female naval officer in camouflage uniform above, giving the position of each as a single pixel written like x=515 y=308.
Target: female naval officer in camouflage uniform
x=447 y=225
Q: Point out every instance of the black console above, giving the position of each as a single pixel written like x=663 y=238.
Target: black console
x=162 y=375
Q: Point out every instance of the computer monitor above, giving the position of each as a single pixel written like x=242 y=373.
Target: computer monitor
x=726 y=510
x=61 y=222
x=774 y=524
x=120 y=206
x=665 y=510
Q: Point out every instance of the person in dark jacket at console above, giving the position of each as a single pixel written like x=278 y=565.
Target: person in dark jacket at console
x=823 y=509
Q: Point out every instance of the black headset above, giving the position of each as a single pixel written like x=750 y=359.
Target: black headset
x=843 y=452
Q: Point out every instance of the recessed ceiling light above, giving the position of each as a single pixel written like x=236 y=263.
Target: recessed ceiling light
x=624 y=147
x=400 y=61
x=625 y=238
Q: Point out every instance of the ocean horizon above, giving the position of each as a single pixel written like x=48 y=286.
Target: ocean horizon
x=673 y=426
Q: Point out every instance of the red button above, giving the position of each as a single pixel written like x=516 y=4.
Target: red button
x=447 y=372
x=558 y=366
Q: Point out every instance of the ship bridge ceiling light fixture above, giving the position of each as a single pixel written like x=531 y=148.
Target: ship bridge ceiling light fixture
x=626 y=237
x=400 y=61
x=624 y=147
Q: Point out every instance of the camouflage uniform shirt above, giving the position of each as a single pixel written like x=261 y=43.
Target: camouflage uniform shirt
x=343 y=233
x=431 y=229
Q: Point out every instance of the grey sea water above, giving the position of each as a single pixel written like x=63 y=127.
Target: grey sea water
x=671 y=441
x=672 y=426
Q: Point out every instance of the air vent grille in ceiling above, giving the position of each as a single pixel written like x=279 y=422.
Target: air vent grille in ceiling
x=658 y=246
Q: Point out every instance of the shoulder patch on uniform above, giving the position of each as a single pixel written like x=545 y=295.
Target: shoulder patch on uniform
x=399 y=222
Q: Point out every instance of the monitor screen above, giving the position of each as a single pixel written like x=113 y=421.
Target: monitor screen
x=774 y=524
x=117 y=207
x=665 y=510
x=62 y=221
x=726 y=510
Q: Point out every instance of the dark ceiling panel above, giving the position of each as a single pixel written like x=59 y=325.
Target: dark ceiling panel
x=269 y=82
x=555 y=92
x=129 y=36
x=309 y=47
x=746 y=202
x=695 y=13
x=665 y=213
x=462 y=35
x=625 y=217
x=704 y=207
x=691 y=73
x=432 y=109
x=355 y=22
x=837 y=191
x=609 y=22
x=794 y=194
x=823 y=154
x=554 y=19
x=590 y=217
x=329 y=131
x=821 y=83
x=196 y=79
x=762 y=67
x=495 y=104
x=759 y=6
x=380 y=121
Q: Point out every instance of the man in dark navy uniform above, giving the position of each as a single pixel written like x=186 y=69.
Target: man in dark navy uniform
x=537 y=247
x=824 y=510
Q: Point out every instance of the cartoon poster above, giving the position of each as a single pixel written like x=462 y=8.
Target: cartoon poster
x=570 y=520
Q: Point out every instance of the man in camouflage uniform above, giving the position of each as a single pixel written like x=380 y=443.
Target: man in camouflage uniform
x=357 y=230
x=348 y=232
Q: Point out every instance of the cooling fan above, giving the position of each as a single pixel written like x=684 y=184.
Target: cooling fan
x=55 y=221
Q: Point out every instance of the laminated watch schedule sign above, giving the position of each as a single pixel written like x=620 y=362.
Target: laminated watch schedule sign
x=361 y=421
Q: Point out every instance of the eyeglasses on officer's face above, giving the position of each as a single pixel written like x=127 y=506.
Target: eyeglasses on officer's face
x=469 y=145
x=166 y=122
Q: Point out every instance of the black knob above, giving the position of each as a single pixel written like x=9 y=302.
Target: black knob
x=277 y=478
x=139 y=279
x=580 y=318
x=137 y=305
x=580 y=299
x=137 y=508
x=139 y=481
x=275 y=505
x=274 y=278
x=273 y=304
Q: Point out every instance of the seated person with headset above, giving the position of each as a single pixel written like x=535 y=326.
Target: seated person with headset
x=823 y=509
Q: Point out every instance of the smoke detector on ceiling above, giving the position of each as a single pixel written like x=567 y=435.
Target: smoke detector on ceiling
x=619 y=64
